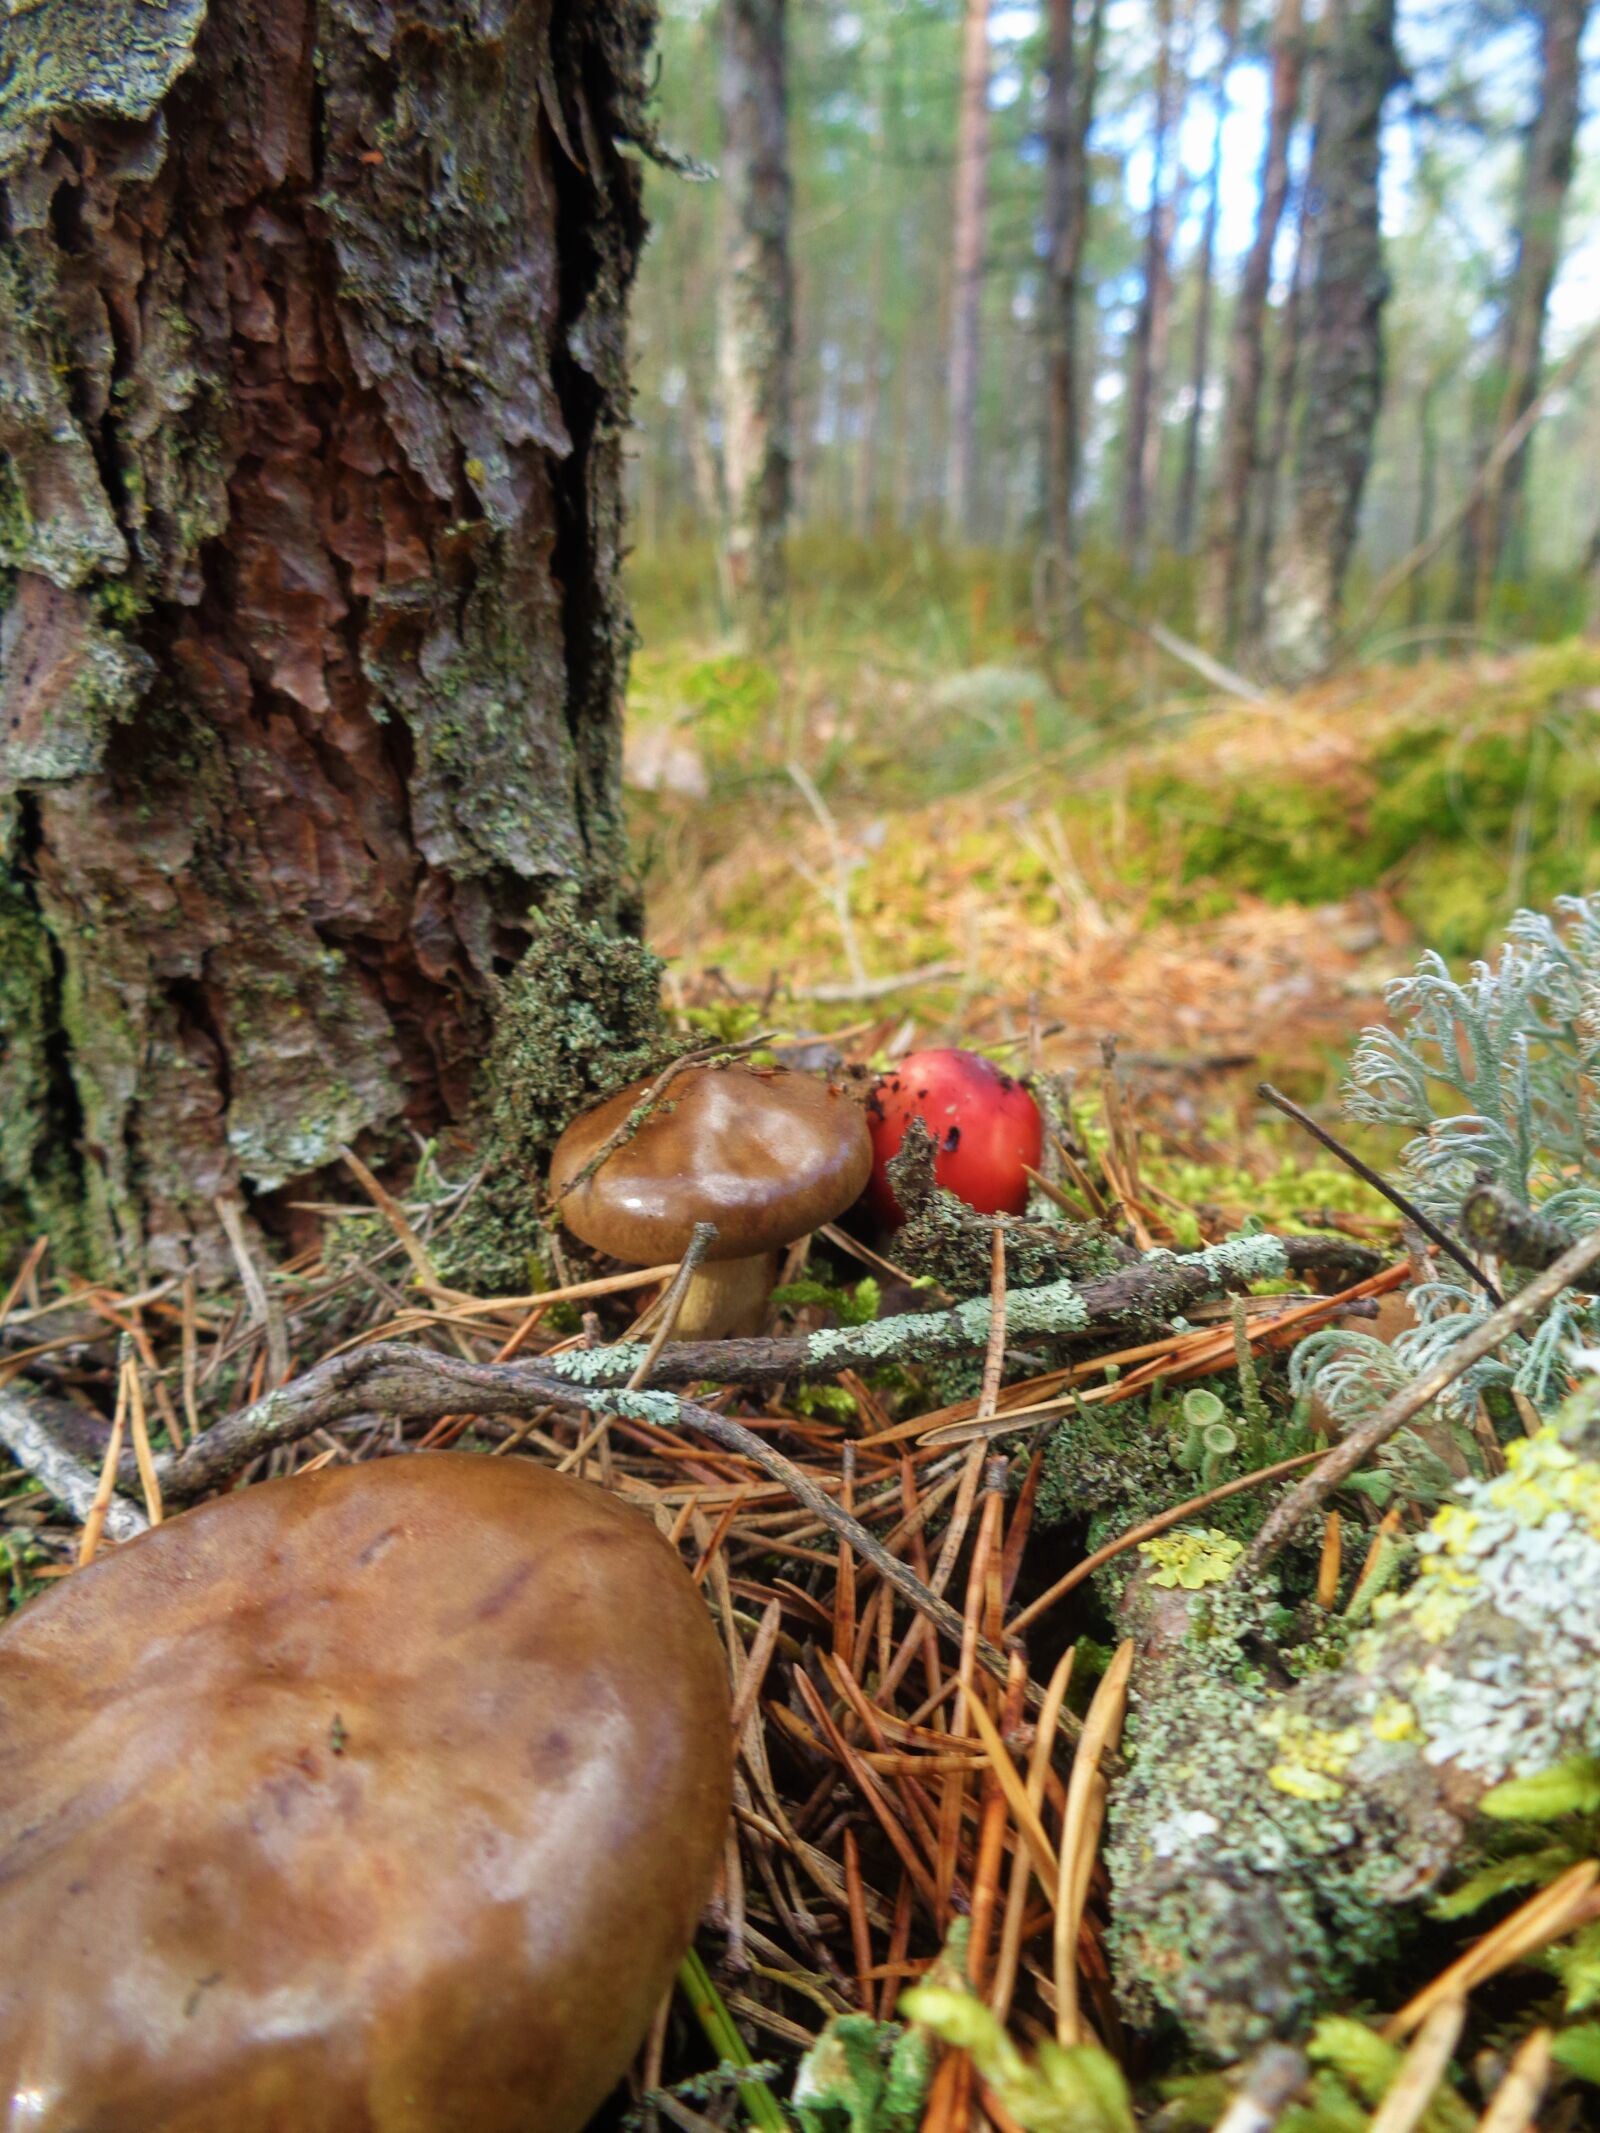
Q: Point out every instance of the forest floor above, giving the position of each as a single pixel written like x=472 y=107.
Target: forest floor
x=914 y=813
x=913 y=825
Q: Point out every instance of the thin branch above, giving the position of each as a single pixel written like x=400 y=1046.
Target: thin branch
x=1379 y=1183
x=1312 y=1493
x=31 y=1434
x=1490 y=1216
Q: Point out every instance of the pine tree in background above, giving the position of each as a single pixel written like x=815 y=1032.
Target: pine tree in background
x=1514 y=377
x=756 y=313
x=966 y=272
x=1344 y=340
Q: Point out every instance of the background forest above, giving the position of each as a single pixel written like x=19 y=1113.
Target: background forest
x=1079 y=274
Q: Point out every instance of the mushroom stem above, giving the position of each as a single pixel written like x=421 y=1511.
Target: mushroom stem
x=727 y=1297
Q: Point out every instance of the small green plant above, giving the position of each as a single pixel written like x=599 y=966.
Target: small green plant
x=1063 y=2089
x=862 y=2076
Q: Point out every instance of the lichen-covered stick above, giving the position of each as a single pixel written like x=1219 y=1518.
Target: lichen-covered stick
x=1312 y=1493
x=1160 y=1286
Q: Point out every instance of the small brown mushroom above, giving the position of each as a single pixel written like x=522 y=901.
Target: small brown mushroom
x=764 y=1154
x=378 y=1800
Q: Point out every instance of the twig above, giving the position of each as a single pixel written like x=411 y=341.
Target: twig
x=95 y=1524
x=1312 y=1493
x=1179 y=648
x=34 y=1442
x=262 y=1303
x=396 y=1217
x=1271 y=2082
x=1516 y=2101
x=1163 y=1285
x=1491 y=1217
x=1085 y=1801
x=844 y=993
x=840 y=895
x=1413 y=2087
x=1379 y=1183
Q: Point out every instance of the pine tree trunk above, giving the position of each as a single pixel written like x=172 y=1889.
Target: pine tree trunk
x=1268 y=472
x=310 y=454
x=1546 y=181
x=1142 y=437
x=1200 y=361
x=757 y=309
x=1223 y=577
x=1344 y=340
x=1070 y=84
x=966 y=291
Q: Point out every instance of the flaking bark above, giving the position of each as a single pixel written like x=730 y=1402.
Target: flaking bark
x=314 y=385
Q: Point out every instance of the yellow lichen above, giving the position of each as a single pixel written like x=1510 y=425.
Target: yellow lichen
x=1311 y=1758
x=1192 y=1558
x=1394 y=1720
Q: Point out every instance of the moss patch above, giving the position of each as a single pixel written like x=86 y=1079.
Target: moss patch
x=580 y=1018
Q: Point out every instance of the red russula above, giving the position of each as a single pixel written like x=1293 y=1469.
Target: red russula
x=986 y=1126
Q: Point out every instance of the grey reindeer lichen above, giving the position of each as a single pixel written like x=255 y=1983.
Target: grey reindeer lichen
x=1495 y=1074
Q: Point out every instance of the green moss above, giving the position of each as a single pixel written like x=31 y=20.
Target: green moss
x=580 y=1018
x=1467 y=821
x=40 y=1190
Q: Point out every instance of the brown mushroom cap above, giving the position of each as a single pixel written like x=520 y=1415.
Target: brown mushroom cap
x=765 y=1154
x=379 y=1800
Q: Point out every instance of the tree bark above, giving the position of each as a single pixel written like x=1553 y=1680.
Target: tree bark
x=1200 y=361
x=1546 y=180
x=757 y=309
x=314 y=644
x=966 y=289
x=1222 y=585
x=1070 y=85
x=1152 y=327
x=1344 y=342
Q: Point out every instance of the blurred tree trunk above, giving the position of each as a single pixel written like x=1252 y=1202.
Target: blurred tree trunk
x=1224 y=568
x=1268 y=474
x=1546 y=180
x=313 y=639
x=1344 y=339
x=966 y=289
x=757 y=310
x=1200 y=362
x=1152 y=326
x=1071 y=81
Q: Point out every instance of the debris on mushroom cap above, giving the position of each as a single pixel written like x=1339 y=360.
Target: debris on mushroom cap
x=987 y=1130
x=384 y=1798
x=766 y=1155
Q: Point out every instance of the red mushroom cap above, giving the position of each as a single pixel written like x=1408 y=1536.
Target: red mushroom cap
x=984 y=1123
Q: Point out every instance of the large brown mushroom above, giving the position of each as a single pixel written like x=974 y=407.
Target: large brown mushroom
x=381 y=1800
x=764 y=1154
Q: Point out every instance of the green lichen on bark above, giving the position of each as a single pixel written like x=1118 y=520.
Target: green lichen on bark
x=579 y=1018
x=1269 y=1841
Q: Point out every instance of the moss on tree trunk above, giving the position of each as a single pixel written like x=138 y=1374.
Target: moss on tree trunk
x=312 y=387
